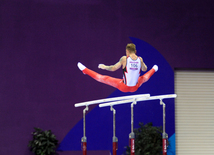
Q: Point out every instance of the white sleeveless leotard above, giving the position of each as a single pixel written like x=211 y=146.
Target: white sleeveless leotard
x=131 y=72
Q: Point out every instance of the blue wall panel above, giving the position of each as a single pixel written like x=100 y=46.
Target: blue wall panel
x=99 y=124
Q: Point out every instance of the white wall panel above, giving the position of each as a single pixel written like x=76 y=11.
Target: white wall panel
x=194 y=112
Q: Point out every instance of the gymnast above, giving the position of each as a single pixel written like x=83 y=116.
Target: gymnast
x=131 y=65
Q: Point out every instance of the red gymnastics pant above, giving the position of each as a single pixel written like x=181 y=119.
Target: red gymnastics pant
x=118 y=83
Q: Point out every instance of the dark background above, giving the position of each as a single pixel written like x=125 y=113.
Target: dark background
x=41 y=42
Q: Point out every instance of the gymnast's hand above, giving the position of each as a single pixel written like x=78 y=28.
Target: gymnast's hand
x=101 y=66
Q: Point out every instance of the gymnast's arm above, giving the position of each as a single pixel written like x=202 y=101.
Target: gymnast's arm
x=143 y=65
x=113 y=67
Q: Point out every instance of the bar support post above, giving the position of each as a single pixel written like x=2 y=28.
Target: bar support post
x=84 y=139
x=114 y=139
x=132 y=134
x=164 y=134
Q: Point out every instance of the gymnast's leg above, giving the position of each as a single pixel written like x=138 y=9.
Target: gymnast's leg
x=114 y=82
x=144 y=78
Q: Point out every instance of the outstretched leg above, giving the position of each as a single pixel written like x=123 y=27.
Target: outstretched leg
x=114 y=82
x=144 y=78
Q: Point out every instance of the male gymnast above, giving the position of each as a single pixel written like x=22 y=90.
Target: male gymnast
x=131 y=65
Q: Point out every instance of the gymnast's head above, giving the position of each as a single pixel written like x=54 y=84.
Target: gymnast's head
x=130 y=48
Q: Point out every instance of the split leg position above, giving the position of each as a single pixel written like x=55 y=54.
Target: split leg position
x=131 y=64
x=115 y=82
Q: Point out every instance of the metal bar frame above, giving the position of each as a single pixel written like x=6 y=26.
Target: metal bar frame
x=111 y=100
x=122 y=100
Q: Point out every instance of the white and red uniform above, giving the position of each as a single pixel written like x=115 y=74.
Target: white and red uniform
x=131 y=81
x=131 y=72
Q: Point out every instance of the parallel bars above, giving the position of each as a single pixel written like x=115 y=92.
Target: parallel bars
x=122 y=100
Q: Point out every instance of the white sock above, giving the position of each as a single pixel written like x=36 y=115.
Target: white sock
x=155 y=68
x=81 y=66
